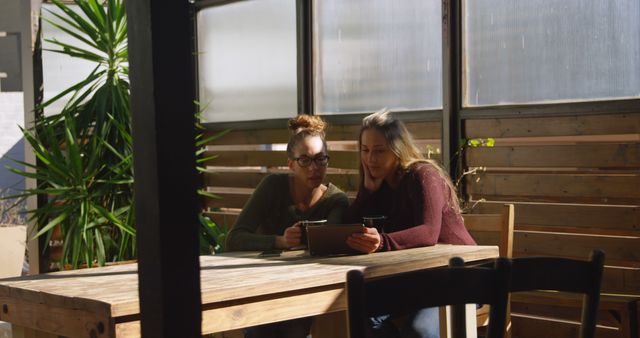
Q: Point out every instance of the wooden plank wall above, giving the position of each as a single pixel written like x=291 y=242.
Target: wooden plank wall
x=575 y=183
x=244 y=157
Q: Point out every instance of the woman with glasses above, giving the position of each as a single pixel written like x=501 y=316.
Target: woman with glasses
x=271 y=218
x=418 y=201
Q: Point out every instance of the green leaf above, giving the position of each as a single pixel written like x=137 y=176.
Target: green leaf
x=95 y=12
x=100 y=252
x=204 y=193
x=111 y=217
x=52 y=224
x=212 y=138
x=74 y=51
x=83 y=25
x=73 y=88
x=69 y=31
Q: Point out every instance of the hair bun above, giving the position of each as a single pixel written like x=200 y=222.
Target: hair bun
x=311 y=123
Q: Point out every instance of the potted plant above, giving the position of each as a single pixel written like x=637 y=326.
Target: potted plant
x=85 y=159
x=85 y=166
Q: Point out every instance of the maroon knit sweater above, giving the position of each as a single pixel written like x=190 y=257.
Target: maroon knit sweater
x=418 y=212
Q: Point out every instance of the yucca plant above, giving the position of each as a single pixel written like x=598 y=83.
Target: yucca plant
x=85 y=165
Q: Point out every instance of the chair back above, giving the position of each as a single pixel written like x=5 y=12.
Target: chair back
x=493 y=229
x=404 y=293
x=566 y=275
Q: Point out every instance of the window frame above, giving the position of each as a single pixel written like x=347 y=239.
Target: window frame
x=453 y=111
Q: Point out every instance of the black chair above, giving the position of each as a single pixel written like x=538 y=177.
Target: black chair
x=404 y=293
x=566 y=275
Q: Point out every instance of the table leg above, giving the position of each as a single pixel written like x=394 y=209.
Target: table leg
x=330 y=325
x=471 y=323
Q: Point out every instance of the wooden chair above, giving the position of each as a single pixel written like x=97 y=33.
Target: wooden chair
x=565 y=275
x=493 y=229
x=456 y=285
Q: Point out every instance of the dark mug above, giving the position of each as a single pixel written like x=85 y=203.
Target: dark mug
x=303 y=229
x=375 y=221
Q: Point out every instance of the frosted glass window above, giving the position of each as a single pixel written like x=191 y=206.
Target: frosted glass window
x=527 y=51
x=60 y=71
x=247 y=60
x=374 y=54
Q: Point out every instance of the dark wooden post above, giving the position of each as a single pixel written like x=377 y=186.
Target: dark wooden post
x=451 y=85
x=162 y=94
x=304 y=33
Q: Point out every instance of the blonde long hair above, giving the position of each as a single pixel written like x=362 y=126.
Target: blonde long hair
x=401 y=143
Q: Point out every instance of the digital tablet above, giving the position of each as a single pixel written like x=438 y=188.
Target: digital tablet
x=331 y=239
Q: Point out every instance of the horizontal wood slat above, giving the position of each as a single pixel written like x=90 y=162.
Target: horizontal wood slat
x=488 y=222
x=619 y=280
x=559 y=199
x=261 y=136
x=615 y=311
x=554 y=126
x=486 y=238
x=574 y=156
x=228 y=200
x=346 y=182
x=224 y=219
x=620 y=251
x=341 y=159
x=570 y=313
x=238 y=179
x=420 y=130
x=338 y=159
x=624 y=219
x=247 y=158
x=621 y=189
x=532 y=327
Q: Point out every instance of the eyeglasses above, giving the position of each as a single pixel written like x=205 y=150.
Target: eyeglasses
x=305 y=161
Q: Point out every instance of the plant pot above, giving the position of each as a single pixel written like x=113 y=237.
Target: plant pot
x=95 y=264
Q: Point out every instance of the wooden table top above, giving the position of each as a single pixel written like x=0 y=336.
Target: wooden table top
x=226 y=277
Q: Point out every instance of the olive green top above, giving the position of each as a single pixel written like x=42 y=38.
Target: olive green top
x=270 y=211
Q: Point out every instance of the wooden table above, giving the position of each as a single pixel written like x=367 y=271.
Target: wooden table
x=238 y=290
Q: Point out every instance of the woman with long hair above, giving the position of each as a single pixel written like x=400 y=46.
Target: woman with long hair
x=417 y=200
x=271 y=217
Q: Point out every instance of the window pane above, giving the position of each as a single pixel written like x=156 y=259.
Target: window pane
x=60 y=71
x=247 y=60
x=524 y=51
x=374 y=54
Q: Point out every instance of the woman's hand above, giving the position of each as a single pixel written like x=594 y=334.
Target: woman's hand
x=290 y=238
x=371 y=183
x=367 y=241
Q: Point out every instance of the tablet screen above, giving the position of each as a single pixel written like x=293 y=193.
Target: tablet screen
x=330 y=239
